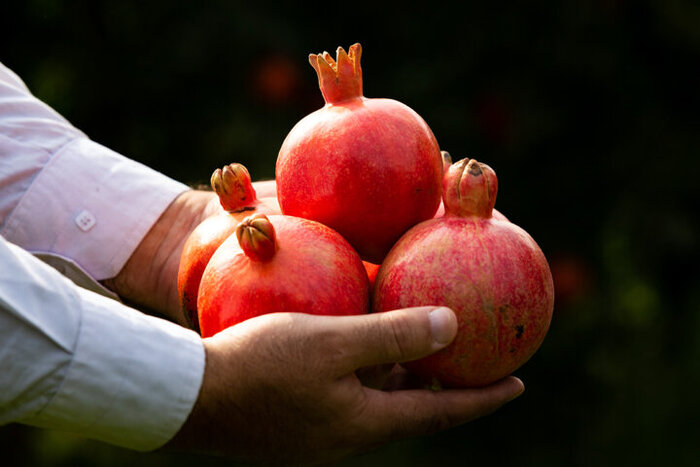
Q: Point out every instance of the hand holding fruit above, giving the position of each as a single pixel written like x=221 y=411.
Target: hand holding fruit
x=369 y=172
x=363 y=176
x=282 y=387
x=147 y=279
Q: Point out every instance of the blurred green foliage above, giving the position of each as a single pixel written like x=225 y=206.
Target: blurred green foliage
x=588 y=112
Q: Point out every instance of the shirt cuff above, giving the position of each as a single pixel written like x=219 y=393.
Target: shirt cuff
x=92 y=205
x=135 y=392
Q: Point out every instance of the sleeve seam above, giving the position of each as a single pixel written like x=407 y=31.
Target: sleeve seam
x=68 y=368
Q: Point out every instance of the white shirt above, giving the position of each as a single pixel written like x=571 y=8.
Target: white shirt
x=71 y=359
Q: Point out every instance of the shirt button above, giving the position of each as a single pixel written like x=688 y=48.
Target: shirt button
x=85 y=220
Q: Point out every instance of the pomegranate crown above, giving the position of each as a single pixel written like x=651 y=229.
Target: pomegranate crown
x=257 y=238
x=469 y=189
x=233 y=186
x=339 y=79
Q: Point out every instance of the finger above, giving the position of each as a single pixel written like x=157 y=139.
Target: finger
x=401 y=379
x=395 y=336
x=265 y=188
x=375 y=376
x=399 y=414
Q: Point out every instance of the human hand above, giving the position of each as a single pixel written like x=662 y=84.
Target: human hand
x=282 y=388
x=148 y=280
x=265 y=189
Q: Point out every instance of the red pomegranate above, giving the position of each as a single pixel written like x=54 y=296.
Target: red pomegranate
x=238 y=199
x=489 y=271
x=281 y=264
x=368 y=168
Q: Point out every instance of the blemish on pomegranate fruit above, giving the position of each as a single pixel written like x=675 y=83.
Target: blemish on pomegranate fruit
x=519 y=329
x=504 y=308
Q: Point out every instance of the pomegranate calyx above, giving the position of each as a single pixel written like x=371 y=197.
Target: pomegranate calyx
x=446 y=161
x=469 y=189
x=339 y=79
x=234 y=187
x=257 y=238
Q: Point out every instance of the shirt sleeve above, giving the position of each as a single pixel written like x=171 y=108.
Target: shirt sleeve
x=76 y=361
x=71 y=359
x=65 y=195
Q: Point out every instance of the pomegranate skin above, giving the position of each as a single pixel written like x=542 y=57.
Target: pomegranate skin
x=368 y=168
x=491 y=273
x=313 y=270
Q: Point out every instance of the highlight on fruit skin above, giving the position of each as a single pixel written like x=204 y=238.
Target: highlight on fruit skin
x=485 y=268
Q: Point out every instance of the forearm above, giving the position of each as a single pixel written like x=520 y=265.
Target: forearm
x=90 y=366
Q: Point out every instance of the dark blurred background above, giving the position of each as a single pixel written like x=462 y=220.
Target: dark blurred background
x=586 y=110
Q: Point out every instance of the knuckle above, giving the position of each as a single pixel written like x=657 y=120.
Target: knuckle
x=395 y=342
x=438 y=422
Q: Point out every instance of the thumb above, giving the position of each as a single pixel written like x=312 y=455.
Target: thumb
x=398 y=336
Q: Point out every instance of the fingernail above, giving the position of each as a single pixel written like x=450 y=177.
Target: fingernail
x=521 y=390
x=516 y=395
x=443 y=324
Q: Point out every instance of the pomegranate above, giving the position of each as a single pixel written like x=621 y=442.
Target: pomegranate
x=238 y=199
x=368 y=168
x=281 y=263
x=488 y=270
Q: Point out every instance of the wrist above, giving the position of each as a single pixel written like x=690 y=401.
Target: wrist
x=149 y=277
x=199 y=431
